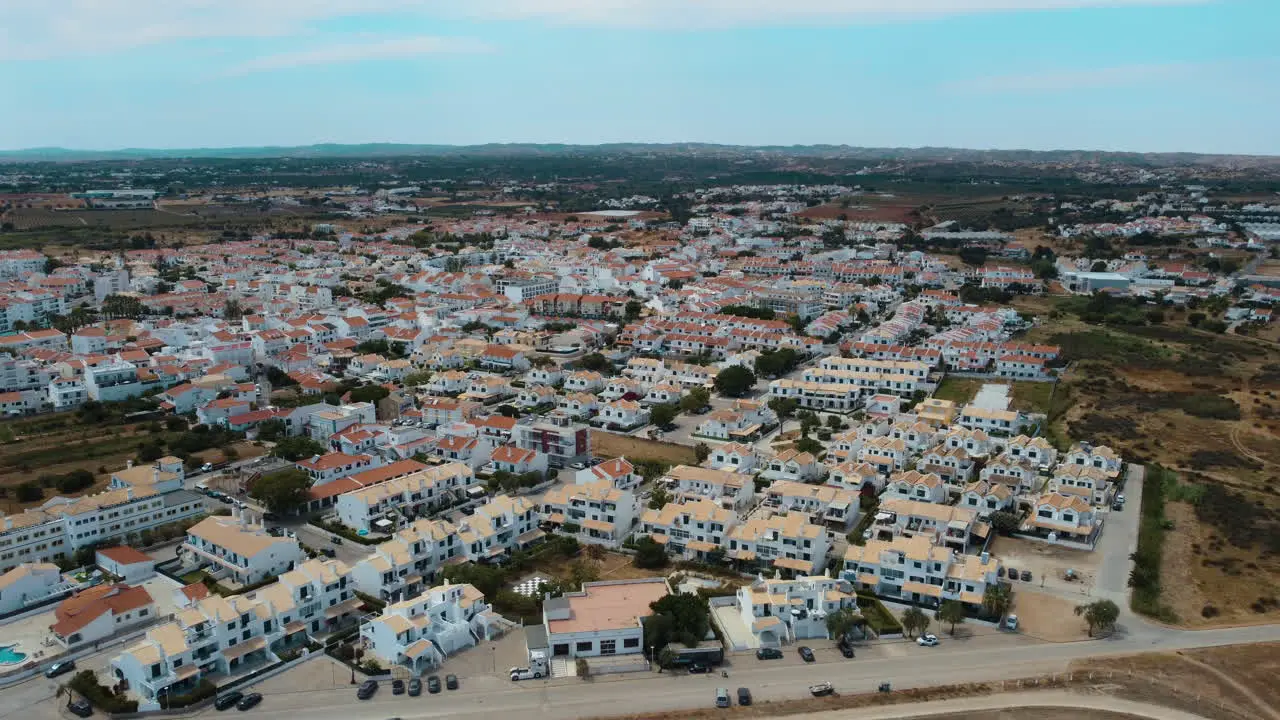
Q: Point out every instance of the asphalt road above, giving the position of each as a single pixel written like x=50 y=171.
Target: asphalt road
x=903 y=664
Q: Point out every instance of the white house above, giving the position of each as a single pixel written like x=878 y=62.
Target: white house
x=99 y=612
x=601 y=513
x=780 y=612
x=623 y=414
x=420 y=632
x=235 y=548
x=787 y=541
x=728 y=489
x=793 y=465
x=126 y=563
x=403 y=566
x=914 y=485
x=620 y=473
x=28 y=584
x=826 y=504
x=691 y=529
x=1068 y=517
x=734 y=457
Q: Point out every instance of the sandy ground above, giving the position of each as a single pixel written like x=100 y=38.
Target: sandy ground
x=1047 y=617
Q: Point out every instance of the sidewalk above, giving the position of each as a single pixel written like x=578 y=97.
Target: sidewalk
x=1028 y=700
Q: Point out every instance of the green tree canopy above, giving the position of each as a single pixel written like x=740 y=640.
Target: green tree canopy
x=649 y=554
x=296 y=448
x=282 y=491
x=735 y=381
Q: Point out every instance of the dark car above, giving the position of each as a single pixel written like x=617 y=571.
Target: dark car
x=270 y=516
x=367 y=689
x=768 y=654
x=1013 y=573
x=397 y=687
x=229 y=700
x=433 y=684
x=249 y=701
x=846 y=650
x=744 y=696
x=451 y=682
x=328 y=552
x=80 y=707
x=335 y=540
x=1117 y=506
x=60 y=668
x=415 y=687
x=1026 y=576
x=806 y=653
x=698 y=668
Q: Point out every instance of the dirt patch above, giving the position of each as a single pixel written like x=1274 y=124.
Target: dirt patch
x=1048 y=564
x=1048 y=617
x=612 y=445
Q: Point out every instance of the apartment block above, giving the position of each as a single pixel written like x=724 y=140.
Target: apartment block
x=410 y=495
x=728 y=489
x=916 y=570
x=787 y=541
x=781 y=611
x=420 y=632
x=232 y=547
x=690 y=529
x=403 y=566
x=601 y=513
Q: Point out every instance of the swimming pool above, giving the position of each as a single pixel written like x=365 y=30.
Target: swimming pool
x=9 y=656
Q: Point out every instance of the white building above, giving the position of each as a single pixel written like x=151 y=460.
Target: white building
x=420 y=632
x=232 y=547
x=780 y=612
x=28 y=584
x=99 y=612
x=604 y=618
x=601 y=513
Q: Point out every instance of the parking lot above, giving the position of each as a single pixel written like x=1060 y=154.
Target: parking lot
x=1048 y=564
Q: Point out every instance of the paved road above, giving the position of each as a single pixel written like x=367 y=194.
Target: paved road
x=903 y=664
x=1119 y=541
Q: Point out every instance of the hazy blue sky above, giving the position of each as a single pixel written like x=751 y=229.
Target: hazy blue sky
x=1147 y=75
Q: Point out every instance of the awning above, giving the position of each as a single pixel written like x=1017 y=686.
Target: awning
x=530 y=536
x=922 y=589
x=557 y=518
x=495 y=551
x=868 y=579
x=598 y=525
x=660 y=539
x=343 y=608
x=765 y=623
x=744 y=554
x=418 y=649
x=244 y=648
x=701 y=545
x=793 y=564
x=294 y=627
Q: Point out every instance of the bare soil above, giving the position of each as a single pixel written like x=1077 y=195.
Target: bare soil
x=612 y=445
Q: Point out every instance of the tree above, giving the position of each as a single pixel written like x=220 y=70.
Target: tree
x=996 y=599
x=666 y=658
x=685 y=618
x=702 y=451
x=231 y=310
x=834 y=422
x=842 y=622
x=735 y=381
x=633 y=309
x=272 y=430
x=697 y=399
x=914 y=621
x=951 y=612
x=1005 y=523
x=295 y=448
x=594 y=361
x=663 y=415
x=649 y=554
x=659 y=499
x=809 y=445
x=417 y=378
x=369 y=393
x=283 y=491
x=974 y=256
x=1099 y=614
x=30 y=491
x=783 y=407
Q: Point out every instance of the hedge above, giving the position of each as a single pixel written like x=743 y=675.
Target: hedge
x=1152 y=525
x=86 y=683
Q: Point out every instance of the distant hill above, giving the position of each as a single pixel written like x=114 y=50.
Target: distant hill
x=387 y=150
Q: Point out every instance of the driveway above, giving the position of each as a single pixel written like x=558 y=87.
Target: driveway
x=1120 y=539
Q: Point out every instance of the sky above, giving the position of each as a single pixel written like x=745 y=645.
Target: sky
x=1133 y=75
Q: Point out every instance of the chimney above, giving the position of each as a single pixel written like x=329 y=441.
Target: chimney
x=128 y=464
x=155 y=474
x=128 y=492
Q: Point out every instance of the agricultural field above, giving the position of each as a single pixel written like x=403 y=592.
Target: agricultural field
x=1205 y=406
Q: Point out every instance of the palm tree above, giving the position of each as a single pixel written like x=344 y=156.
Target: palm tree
x=997 y=599
x=914 y=621
x=951 y=612
x=841 y=622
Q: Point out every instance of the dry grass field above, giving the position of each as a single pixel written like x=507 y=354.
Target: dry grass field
x=612 y=445
x=1204 y=405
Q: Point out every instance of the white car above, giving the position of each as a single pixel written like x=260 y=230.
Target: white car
x=524 y=674
x=927 y=640
x=1120 y=498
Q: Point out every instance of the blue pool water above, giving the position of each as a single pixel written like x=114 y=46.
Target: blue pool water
x=9 y=656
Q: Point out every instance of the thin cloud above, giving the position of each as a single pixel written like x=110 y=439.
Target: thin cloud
x=356 y=52
x=41 y=29
x=1118 y=76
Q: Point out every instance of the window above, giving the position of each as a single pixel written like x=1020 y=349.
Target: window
x=584 y=646
x=631 y=643
x=608 y=647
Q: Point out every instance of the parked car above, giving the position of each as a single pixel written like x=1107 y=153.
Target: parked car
x=699 y=669
x=451 y=682
x=1117 y=506
x=229 y=700
x=929 y=640
x=1120 y=498
x=525 y=674
x=433 y=684
x=768 y=654
x=806 y=653
x=367 y=689
x=1011 y=622
x=81 y=707
x=1026 y=576
x=206 y=467
x=846 y=649
x=722 y=698
x=820 y=689
x=335 y=540
x=60 y=668
x=249 y=701
x=1013 y=573
x=744 y=696
x=329 y=552
x=415 y=687
x=1000 y=571
x=397 y=687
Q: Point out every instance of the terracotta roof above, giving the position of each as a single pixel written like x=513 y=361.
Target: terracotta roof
x=84 y=607
x=124 y=555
